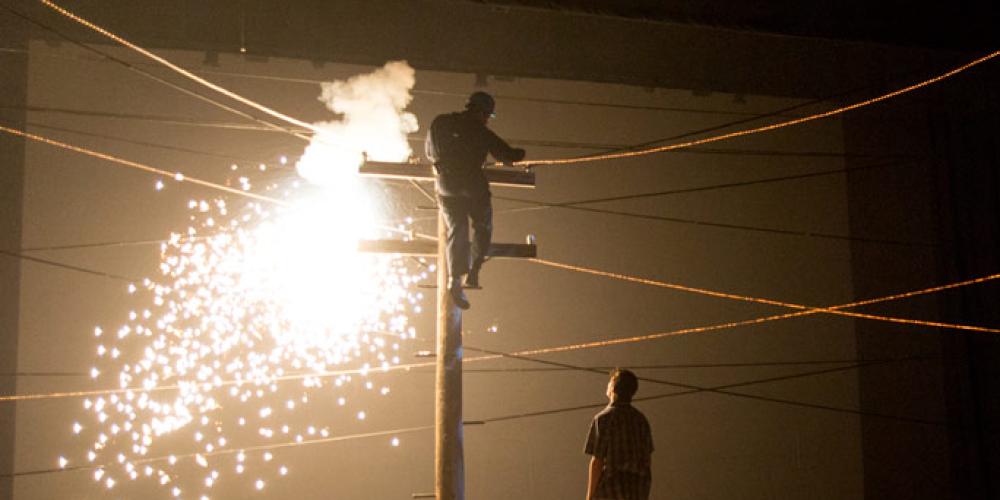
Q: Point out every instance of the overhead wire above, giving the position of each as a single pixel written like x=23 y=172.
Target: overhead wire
x=765 y=128
x=837 y=310
x=576 y=205
x=70 y=267
x=463 y=95
x=194 y=122
x=156 y=145
x=147 y=74
x=177 y=176
x=181 y=71
x=533 y=163
x=600 y=157
x=721 y=389
x=536 y=351
x=726 y=389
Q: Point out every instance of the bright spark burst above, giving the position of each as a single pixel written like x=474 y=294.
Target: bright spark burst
x=245 y=298
x=235 y=341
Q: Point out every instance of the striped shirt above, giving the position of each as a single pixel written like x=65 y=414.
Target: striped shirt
x=620 y=437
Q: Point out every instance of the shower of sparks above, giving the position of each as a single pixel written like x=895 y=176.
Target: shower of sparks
x=246 y=296
x=250 y=294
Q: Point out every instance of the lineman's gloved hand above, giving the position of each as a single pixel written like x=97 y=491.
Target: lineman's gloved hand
x=516 y=154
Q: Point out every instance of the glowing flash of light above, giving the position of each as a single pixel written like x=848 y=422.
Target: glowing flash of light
x=248 y=295
x=373 y=123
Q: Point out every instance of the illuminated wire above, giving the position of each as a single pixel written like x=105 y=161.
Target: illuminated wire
x=544 y=350
x=765 y=128
x=168 y=120
x=68 y=266
x=107 y=244
x=175 y=175
x=151 y=76
x=463 y=95
x=167 y=147
x=687 y=366
x=140 y=166
x=836 y=310
x=290 y=444
x=180 y=70
x=178 y=120
x=723 y=389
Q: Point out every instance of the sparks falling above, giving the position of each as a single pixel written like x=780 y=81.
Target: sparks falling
x=258 y=314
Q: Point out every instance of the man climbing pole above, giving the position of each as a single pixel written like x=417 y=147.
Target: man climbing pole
x=457 y=143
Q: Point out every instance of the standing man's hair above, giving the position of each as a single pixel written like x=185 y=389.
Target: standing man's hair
x=624 y=384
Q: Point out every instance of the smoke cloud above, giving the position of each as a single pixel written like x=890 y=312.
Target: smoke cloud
x=373 y=122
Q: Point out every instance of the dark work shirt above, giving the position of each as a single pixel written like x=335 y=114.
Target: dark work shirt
x=458 y=143
x=620 y=437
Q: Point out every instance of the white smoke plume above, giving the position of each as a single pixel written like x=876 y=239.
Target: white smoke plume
x=373 y=123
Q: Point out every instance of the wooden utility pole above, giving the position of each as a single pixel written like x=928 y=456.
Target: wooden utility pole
x=449 y=458
x=449 y=451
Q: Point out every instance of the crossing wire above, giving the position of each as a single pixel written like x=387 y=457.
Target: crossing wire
x=18 y=255
x=533 y=352
x=144 y=73
x=178 y=176
x=722 y=389
x=765 y=128
x=534 y=163
x=197 y=79
x=837 y=310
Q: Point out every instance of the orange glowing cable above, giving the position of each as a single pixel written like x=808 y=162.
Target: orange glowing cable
x=836 y=310
x=175 y=175
x=545 y=350
x=765 y=128
x=232 y=451
x=180 y=70
x=178 y=176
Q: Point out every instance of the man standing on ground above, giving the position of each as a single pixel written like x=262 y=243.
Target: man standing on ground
x=457 y=144
x=620 y=445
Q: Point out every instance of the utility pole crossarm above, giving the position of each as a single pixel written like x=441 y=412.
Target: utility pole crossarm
x=508 y=177
x=425 y=248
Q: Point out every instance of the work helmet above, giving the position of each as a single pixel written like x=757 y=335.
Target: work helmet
x=481 y=101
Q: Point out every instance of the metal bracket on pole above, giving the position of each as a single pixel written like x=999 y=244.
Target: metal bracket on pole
x=497 y=176
x=424 y=248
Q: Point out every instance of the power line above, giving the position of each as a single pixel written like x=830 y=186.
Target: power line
x=145 y=73
x=724 y=389
x=203 y=123
x=576 y=205
x=169 y=120
x=837 y=310
x=689 y=366
x=765 y=128
x=69 y=266
x=463 y=95
x=183 y=72
x=533 y=352
x=607 y=156
x=116 y=138
x=140 y=166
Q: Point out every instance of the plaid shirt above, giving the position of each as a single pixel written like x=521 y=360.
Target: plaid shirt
x=620 y=436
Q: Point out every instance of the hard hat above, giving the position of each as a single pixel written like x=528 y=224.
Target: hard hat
x=481 y=101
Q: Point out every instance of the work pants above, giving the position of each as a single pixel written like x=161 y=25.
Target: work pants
x=457 y=212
